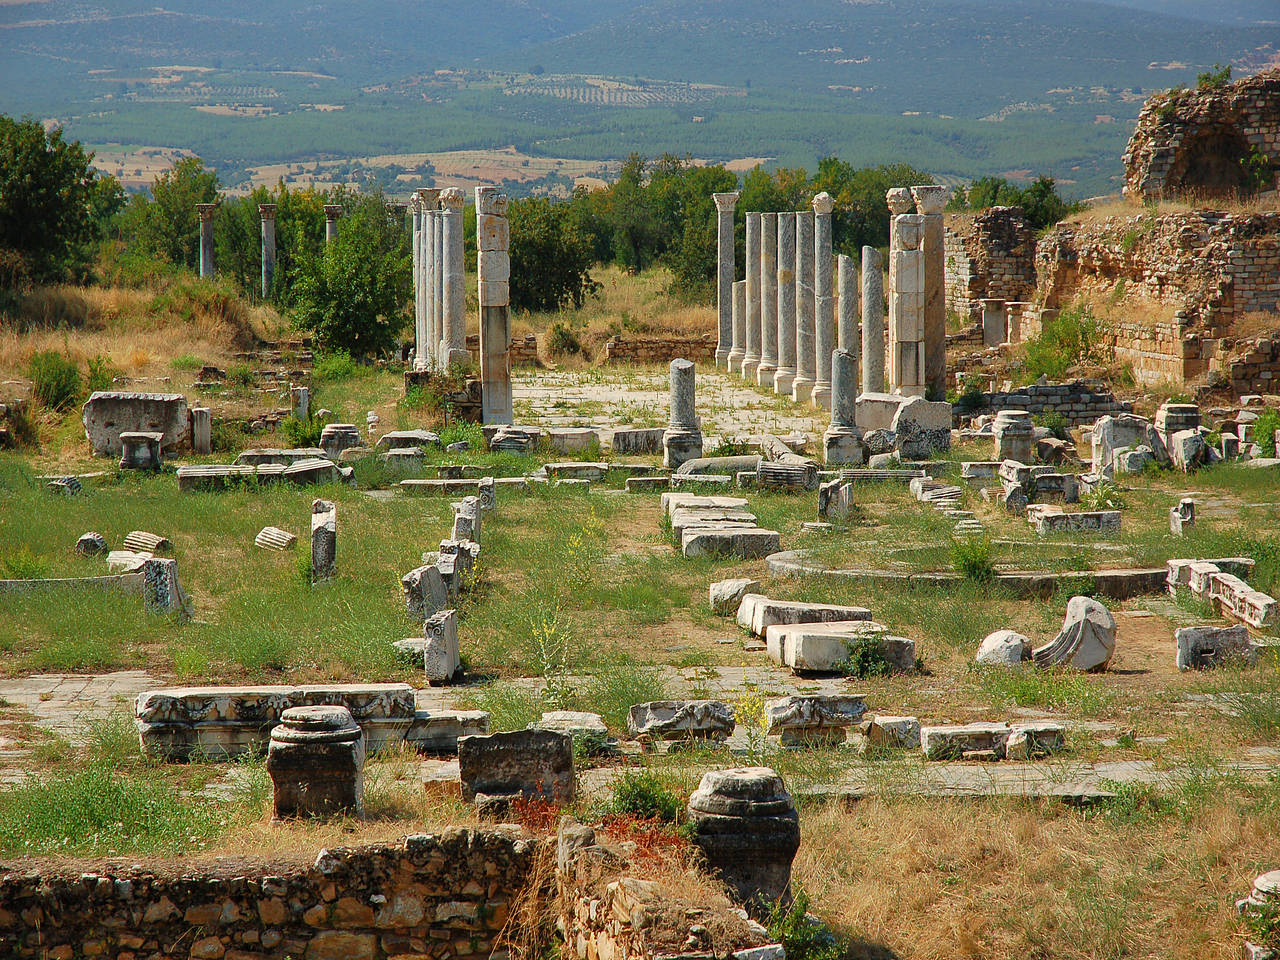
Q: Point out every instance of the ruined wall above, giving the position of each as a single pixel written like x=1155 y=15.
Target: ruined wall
x=988 y=255
x=660 y=350
x=1078 y=402
x=439 y=896
x=1198 y=142
x=524 y=350
x=1200 y=270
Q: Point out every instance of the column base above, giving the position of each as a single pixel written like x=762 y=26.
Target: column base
x=820 y=396
x=733 y=363
x=782 y=380
x=802 y=389
x=457 y=357
x=749 y=367
x=722 y=357
x=680 y=444
x=843 y=445
x=765 y=374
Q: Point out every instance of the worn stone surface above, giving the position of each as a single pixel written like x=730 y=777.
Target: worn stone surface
x=814 y=719
x=1208 y=646
x=107 y=414
x=324 y=540
x=757 y=613
x=680 y=720
x=1004 y=648
x=1087 y=640
x=523 y=763
x=726 y=595
x=316 y=763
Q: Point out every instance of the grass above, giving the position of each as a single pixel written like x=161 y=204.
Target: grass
x=1064 y=691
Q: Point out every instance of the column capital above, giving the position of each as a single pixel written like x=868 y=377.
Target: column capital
x=452 y=198
x=900 y=201
x=725 y=202
x=931 y=198
x=428 y=197
x=332 y=211
x=267 y=211
x=823 y=204
x=491 y=201
x=206 y=210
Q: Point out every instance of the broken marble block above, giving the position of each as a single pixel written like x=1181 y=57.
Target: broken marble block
x=161 y=590
x=441 y=660
x=813 y=720
x=1004 y=648
x=316 y=762
x=827 y=647
x=324 y=540
x=977 y=741
x=93 y=544
x=1087 y=640
x=747 y=827
x=680 y=720
x=835 y=500
x=425 y=592
x=1187 y=449
x=888 y=732
x=141 y=450
x=501 y=767
x=1030 y=741
x=1200 y=648
x=726 y=595
x=757 y=612
x=140 y=541
x=438 y=731
x=1182 y=516
x=109 y=414
x=588 y=730
x=273 y=538
x=922 y=427
x=729 y=540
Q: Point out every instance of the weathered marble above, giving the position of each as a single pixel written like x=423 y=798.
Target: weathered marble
x=785 y=375
x=316 y=763
x=454 y=347
x=501 y=767
x=752 y=320
x=493 y=237
x=768 y=365
x=205 y=211
x=682 y=440
x=267 y=214
x=725 y=203
x=873 y=317
x=824 y=302
x=324 y=540
x=930 y=200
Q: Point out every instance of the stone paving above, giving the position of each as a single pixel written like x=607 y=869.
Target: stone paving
x=726 y=404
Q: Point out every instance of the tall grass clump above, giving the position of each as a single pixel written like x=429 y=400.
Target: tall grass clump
x=1264 y=431
x=971 y=557
x=1063 y=343
x=336 y=366
x=55 y=380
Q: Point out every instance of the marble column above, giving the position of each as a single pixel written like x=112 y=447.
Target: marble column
x=438 y=222
x=842 y=443
x=930 y=201
x=823 y=300
x=785 y=375
x=419 y=312
x=725 y=202
x=995 y=326
x=768 y=299
x=900 y=203
x=428 y=350
x=493 y=237
x=1013 y=319
x=453 y=351
x=267 y=213
x=751 y=324
x=332 y=211
x=906 y=308
x=806 y=345
x=682 y=440
x=872 y=321
x=849 y=336
x=739 y=323
x=205 y=210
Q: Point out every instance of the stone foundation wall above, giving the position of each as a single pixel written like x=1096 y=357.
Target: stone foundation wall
x=660 y=350
x=524 y=350
x=438 y=896
x=1079 y=402
x=1204 y=269
x=988 y=255
x=1254 y=367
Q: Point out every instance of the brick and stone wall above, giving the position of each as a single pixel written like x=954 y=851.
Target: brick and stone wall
x=1202 y=269
x=524 y=350
x=990 y=254
x=1194 y=141
x=660 y=349
x=1078 y=402
x=439 y=896
x=1253 y=366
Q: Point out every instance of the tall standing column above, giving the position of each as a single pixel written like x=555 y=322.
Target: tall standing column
x=848 y=337
x=906 y=299
x=267 y=212
x=823 y=300
x=205 y=210
x=438 y=222
x=454 y=349
x=725 y=202
x=493 y=236
x=419 y=308
x=900 y=203
x=428 y=202
x=842 y=443
x=751 y=325
x=786 y=372
x=768 y=299
x=930 y=200
x=332 y=211
x=806 y=312
x=872 y=321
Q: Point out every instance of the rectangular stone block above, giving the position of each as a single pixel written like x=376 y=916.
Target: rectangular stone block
x=108 y=413
x=494 y=265
x=524 y=763
x=492 y=233
x=637 y=440
x=494 y=293
x=757 y=613
x=746 y=543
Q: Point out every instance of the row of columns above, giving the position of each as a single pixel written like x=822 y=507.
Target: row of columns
x=439 y=281
x=267 y=214
x=777 y=325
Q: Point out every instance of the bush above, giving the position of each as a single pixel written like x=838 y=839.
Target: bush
x=302 y=433
x=550 y=257
x=1055 y=423
x=101 y=374
x=55 y=381
x=1062 y=344
x=866 y=660
x=971 y=557
x=336 y=366
x=644 y=796
x=1214 y=79
x=1264 y=431
x=803 y=937
x=561 y=340
x=23 y=565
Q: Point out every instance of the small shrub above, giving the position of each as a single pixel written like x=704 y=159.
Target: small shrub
x=1106 y=496
x=802 y=936
x=336 y=365
x=971 y=557
x=865 y=660
x=240 y=375
x=1263 y=924
x=186 y=361
x=971 y=397
x=101 y=374
x=1264 y=431
x=55 y=381
x=1214 y=79
x=731 y=448
x=23 y=565
x=460 y=430
x=644 y=796
x=562 y=341
x=1062 y=343
x=302 y=433
x=1054 y=422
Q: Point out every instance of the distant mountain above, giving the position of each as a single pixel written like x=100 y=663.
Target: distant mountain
x=1225 y=12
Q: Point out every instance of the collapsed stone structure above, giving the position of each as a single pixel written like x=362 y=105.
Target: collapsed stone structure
x=1221 y=141
x=990 y=256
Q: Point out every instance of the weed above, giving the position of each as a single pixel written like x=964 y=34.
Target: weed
x=1264 y=431
x=461 y=430
x=1263 y=925
x=1054 y=422
x=302 y=433
x=336 y=366
x=23 y=565
x=562 y=341
x=55 y=381
x=866 y=659
x=1064 y=342
x=971 y=557
x=1105 y=496
x=1063 y=690
x=803 y=937
x=101 y=374
x=643 y=795
x=186 y=361
x=240 y=375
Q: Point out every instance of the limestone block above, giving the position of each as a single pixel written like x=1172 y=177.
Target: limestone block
x=336 y=437
x=953 y=741
x=680 y=720
x=720 y=465
x=875 y=411
x=692 y=501
x=495 y=265
x=201 y=431
x=1004 y=648
x=1030 y=741
x=813 y=719
x=574 y=470
x=441 y=659
x=437 y=731
x=324 y=540
x=1187 y=449
x=726 y=595
x=835 y=500
x=425 y=592
x=746 y=543
x=1208 y=646
x=894 y=732
x=316 y=763
x=408 y=438
x=1182 y=516
x=572 y=440
x=588 y=730
x=1046 y=521
x=1087 y=640
x=757 y=613
x=922 y=427
x=494 y=293
x=637 y=440
x=1110 y=433
x=107 y=414
x=523 y=763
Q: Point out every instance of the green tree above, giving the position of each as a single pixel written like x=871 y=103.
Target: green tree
x=550 y=257
x=52 y=203
x=353 y=296
x=631 y=224
x=168 y=226
x=861 y=214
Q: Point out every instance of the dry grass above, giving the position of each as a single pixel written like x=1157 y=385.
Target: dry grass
x=935 y=879
x=1115 y=206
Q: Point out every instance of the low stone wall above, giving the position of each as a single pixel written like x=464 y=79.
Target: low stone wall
x=524 y=350
x=1254 y=367
x=660 y=350
x=438 y=896
x=991 y=254
x=1078 y=402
